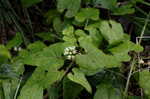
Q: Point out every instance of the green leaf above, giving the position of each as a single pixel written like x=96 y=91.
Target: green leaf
x=144 y=81
x=46 y=36
x=94 y=59
x=47 y=56
x=58 y=24
x=108 y=4
x=80 y=33
x=42 y=77
x=53 y=91
x=29 y=3
x=18 y=66
x=125 y=9
x=71 y=90
x=4 y=54
x=79 y=77
x=1 y=91
x=69 y=35
x=7 y=89
x=121 y=51
x=134 y=97
x=95 y=35
x=72 y=7
x=31 y=92
x=6 y=71
x=49 y=60
x=15 y=42
x=111 y=31
x=86 y=14
x=106 y=91
x=51 y=15
x=36 y=46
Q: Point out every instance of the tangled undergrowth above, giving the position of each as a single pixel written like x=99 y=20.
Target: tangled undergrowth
x=74 y=49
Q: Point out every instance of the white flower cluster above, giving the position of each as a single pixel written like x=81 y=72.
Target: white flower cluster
x=70 y=52
x=17 y=48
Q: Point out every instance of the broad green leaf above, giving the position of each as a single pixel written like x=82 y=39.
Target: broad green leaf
x=125 y=9
x=144 y=81
x=7 y=89
x=79 y=77
x=58 y=24
x=80 y=33
x=18 y=66
x=36 y=46
x=15 y=42
x=86 y=14
x=112 y=31
x=1 y=91
x=47 y=56
x=49 y=60
x=42 y=77
x=4 y=54
x=108 y=4
x=95 y=35
x=106 y=91
x=51 y=15
x=45 y=75
x=69 y=35
x=46 y=36
x=29 y=3
x=72 y=7
x=94 y=59
x=71 y=90
x=53 y=91
x=121 y=51
x=134 y=97
x=6 y=72
x=31 y=92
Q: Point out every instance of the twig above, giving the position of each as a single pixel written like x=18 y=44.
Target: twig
x=15 y=96
x=134 y=58
x=129 y=76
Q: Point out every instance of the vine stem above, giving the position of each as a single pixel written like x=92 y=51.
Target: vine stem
x=67 y=70
x=134 y=57
x=15 y=96
x=129 y=75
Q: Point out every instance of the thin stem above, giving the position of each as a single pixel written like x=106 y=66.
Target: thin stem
x=15 y=96
x=140 y=10
x=129 y=75
x=143 y=30
x=67 y=70
x=134 y=58
x=146 y=3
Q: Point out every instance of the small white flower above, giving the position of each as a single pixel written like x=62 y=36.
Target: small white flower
x=141 y=61
x=67 y=49
x=70 y=52
x=19 y=48
x=15 y=48
x=74 y=52
x=70 y=57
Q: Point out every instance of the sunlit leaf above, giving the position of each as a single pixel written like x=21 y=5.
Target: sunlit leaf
x=144 y=81
x=37 y=92
x=106 y=91
x=29 y=3
x=72 y=7
x=4 y=54
x=112 y=31
x=86 y=14
x=15 y=42
x=79 y=77
x=71 y=90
